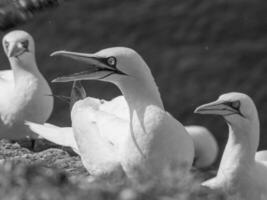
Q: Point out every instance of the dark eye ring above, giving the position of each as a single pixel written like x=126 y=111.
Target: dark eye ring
x=25 y=44
x=6 y=44
x=236 y=104
x=111 y=61
x=233 y=104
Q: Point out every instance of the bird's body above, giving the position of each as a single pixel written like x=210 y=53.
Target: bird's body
x=240 y=175
x=23 y=90
x=206 y=148
x=129 y=133
x=151 y=140
x=99 y=156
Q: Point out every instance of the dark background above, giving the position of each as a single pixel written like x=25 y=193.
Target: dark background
x=196 y=49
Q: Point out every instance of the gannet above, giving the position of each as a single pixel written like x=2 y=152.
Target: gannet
x=149 y=142
x=240 y=175
x=205 y=145
x=23 y=89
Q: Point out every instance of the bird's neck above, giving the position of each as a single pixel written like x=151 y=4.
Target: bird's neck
x=146 y=110
x=140 y=94
x=23 y=69
x=242 y=144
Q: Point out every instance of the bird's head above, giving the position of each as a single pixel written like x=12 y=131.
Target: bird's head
x=234 y=107
x=112 y=65
x=18 y=45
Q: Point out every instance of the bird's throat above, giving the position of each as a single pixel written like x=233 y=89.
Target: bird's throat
x=140 y=94
x=239 y=153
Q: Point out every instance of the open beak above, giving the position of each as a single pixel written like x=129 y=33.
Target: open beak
x=16 y=50
x=97 y=67
x=218 y=107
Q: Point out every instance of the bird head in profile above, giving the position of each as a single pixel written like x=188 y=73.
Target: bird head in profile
x=18 y=44
x=234 y=107
x=112 y=65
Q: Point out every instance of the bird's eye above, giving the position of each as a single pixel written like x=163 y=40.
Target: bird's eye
x=235 y=105
x=6 y=44
x=111 y=61
x=25 y=44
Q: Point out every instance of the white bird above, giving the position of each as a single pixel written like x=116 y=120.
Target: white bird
x=240 y=175
x=141 y=134
x=23 y=89
x=206 y=147
x=149 y=142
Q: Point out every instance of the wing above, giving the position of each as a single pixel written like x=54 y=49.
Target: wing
x=112 y=128
x=6 y=86
x=206 y=147
x=58 y=135
x=99 y=156
x=117 y=106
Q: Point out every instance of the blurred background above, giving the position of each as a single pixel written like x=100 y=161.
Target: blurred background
x=196 y=49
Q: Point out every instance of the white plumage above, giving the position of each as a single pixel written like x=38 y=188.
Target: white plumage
x=23 y=89
x=131 y=131
x=206 y=147
x=240 y=175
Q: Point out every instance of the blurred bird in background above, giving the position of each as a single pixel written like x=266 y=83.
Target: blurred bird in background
x=23 y=89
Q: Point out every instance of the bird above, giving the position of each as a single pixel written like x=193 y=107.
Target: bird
x=111 y=120
x=150 y=141
x=23 y=88
x=240 y=174
x=206 y=147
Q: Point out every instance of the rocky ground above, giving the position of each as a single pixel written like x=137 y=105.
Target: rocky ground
x=55 y=174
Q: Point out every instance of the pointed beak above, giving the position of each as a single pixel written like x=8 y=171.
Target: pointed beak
x=96 y=67
x=218 y=107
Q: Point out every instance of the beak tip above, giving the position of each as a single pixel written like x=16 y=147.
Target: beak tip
x=54 y=80
x=56 y=53
x=196 y=111
x=61 y=80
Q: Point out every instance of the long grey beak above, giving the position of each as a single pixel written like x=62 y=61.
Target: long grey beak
x=216 y=108
x=96 y=67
